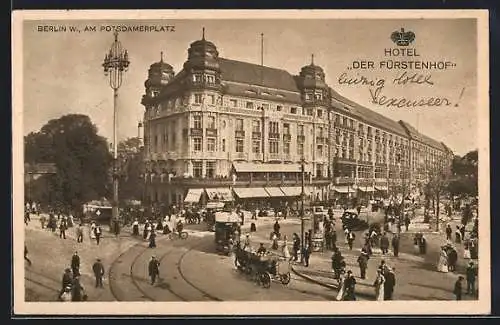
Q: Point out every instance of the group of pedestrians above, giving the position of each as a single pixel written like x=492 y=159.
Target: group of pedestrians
x=71 y=286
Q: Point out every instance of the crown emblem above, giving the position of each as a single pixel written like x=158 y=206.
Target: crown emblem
x=402 y=37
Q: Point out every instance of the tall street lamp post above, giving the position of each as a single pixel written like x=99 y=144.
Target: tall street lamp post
x=302 y=216
x=115 y=63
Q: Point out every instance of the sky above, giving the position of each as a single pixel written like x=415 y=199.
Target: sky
x=62 y=71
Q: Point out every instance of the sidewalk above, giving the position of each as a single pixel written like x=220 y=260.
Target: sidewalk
x=416 y=277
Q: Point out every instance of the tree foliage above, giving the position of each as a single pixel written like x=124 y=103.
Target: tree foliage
x=81 y=157
x=130 y=157
x=465 y=174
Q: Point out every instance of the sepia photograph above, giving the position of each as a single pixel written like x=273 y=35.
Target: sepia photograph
x=251 y=162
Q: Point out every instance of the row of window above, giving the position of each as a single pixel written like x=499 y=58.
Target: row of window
x=274 y=146
x=209 y=169
x=340 y=120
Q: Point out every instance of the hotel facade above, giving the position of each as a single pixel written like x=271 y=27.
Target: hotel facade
x=228 y=130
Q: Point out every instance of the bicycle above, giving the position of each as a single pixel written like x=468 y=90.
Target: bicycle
x=174 y=235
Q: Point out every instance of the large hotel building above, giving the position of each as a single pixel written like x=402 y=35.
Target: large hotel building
x=222 y=129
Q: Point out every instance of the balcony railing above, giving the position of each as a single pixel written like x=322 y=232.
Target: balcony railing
x=287 y=137
x=211 y=132
x=256 y=156
x=196 y=132
x=256 y=135
x=301 y=138
x=320 y=140
x=287 y=157
x=274 y=156
x=239 y=134
x=203 y=154
x=343 y=180
x=274 y=135
x=240 y=155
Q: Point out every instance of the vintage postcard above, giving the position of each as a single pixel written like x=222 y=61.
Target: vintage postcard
x=216 y=162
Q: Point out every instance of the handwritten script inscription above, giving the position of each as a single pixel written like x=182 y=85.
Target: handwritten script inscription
x=412 y=75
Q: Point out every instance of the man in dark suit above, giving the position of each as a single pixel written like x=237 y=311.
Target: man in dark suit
x=395 y=245
x=471 y=273
x=154 y=270
x=98 y=269
x=458 y=288
x=75 y=264
x=389 y=284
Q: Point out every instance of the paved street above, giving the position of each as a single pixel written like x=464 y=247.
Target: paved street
x=190 y=270
x=416 y=275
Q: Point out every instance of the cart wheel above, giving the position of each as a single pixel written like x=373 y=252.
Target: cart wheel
x=285 y=278
x=265 y=279
x=184 y=235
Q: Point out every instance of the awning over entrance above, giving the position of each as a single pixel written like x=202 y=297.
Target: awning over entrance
x=249 y=192
x=292 y=191
x=274 y=192
x=193 y=195
x=344 y=189
x=381 y=188
x=219 y=194
x=366 y=188
x=249 y=167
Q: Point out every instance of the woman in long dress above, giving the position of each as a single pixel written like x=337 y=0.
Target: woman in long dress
x=467 y=255
x=379 y=286
x=443 y=261
x=92 y=230
x=341 y=280
x=286 y=251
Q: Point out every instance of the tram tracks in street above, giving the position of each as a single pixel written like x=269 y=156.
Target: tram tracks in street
x=135 y=286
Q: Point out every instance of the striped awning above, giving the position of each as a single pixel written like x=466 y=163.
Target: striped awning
x=366 y=188
x=292 y=191
x=381 y=188
x=249 y=192
x=274 y=191
x=219 y=194
x=193 y=195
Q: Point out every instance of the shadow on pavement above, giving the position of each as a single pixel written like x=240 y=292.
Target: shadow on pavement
x=428 y=286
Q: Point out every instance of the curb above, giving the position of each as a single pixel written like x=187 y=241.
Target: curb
x=329 y=286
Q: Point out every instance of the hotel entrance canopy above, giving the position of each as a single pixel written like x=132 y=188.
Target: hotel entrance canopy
x=249 y=192
x=219 y=194
x=274 y=192
x=344 y=189
x=193 y=195
x=249 y=167
x=292 y=191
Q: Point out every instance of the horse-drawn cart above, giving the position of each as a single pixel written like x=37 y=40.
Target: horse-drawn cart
x=263 y=268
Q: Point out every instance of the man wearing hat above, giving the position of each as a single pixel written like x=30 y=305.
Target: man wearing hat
x=471 y=273
x=458 y=288
x=349 y=287
x=98 y=269
x=154 y=270
x=75 y=264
